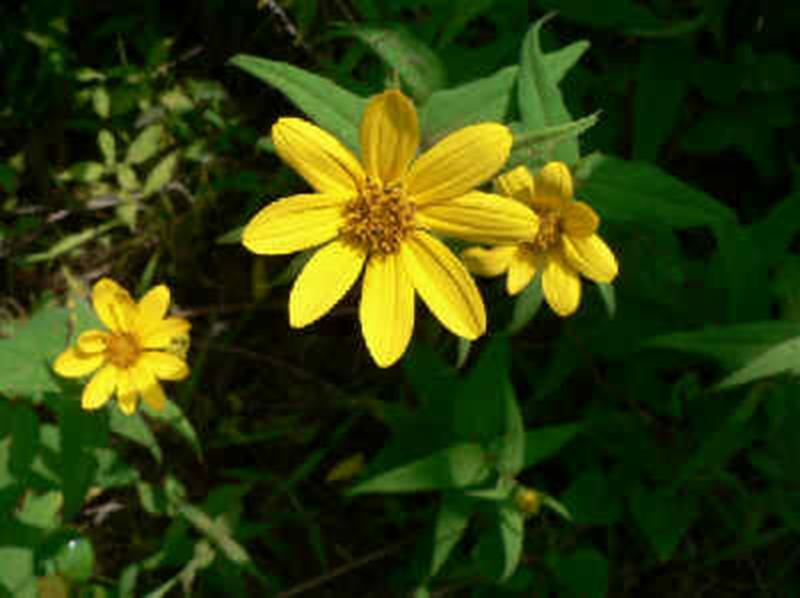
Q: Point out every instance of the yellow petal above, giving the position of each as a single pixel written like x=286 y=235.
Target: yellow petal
x=100 y=388
x=553 y=185
x=522 y=269
x=92 y=341
x=444 y=285
x=591 y=257
x=579 y=220
x=516 y=183
x=387 y=309
x=164 y=366
x=326 y=164
x=149 y=387
x=73 y=363
x=324 y=280
x=161 y=335
x=480 y=217
x=127 y=391
x=488 y=262
x=152 y=308
x=113 y=305
x=389 y=136
x=459 y=162
x=561 y=286
x=294 y=223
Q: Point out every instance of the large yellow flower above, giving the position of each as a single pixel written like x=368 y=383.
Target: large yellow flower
x=565 y=245
x=375 y=215
x=135 y=352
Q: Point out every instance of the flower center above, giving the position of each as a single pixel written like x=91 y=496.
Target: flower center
x=123 y=349
x=379 y=218
x=549 y=231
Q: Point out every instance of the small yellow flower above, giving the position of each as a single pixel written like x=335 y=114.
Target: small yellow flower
x=565 y=245
x=133 y=355
x=376 y=215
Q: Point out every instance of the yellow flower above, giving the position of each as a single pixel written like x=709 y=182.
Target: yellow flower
x=133 y=355
x=375 y=215
x=565 y=245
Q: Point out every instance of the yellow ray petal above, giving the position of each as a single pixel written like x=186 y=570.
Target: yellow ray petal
x=113 y=305
x=92 y=341
x=73 y=363
x=553 y=185
x=561 y=286
x=324 y=280
x=579 y=220
x=389 y=135
x=522 y=269
x=517 y=183
x=126 y=391
x=488 y=262
x=387 y=309
x=326 y=164
x=164 y=366
x=161 y=335
x=152 y=308
x=459 y=162
x=295 y=223
x=444 y=285
x=100 y=388
x=591 y=257
x=480 y=217
x=145 y=378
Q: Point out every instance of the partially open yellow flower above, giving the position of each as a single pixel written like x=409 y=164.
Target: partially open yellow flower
x=565 y=245
x=133 y=355
x=375 y=215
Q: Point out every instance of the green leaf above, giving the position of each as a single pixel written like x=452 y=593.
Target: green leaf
x=134 y=428
x=83 y=172
x=663 y=518
x=526 y=305
x=731 y=345
x=584 y=573
x=330 y=106
x=541 y=443
x=454 y=467
x=559 y=62
x=500 y=547
x=71 y=242
x=24 y=441
x=42 y=510
x=451 y=523
x=634 y=191
x=232 y=237
x=609 y=296
x=145 y=145
x=80 y=432
x=511 y=452
x=592 y=500
x=483 y=100
x=108 y=146
x=781 y=358
x=418 y=66
x=217 y=531
x=17 y=574
x=662 y=84
x=534 y=146
x=75 y=559
x=161 y=174
x=126 y=177
x=173 y=416
x=540 y=103
x=101 y=101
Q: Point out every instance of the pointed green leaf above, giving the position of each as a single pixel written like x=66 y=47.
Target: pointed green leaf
x=541 y=443
x=534 y=146
x=330 y=106
x=559 y=62
x=134 y=428
x=145 y=145
x=663 y=518
x=173 y=416
x=451 y=523
x=108 y=146
x=781 y=358
x=583 y=573
x=511 y=452
x=161 y=174
x=499 y=549
x=609 y=296
x=526 y=305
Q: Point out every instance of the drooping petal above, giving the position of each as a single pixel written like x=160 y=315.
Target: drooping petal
x=113 y=305
x=389 y=136
x=167 y=330
x=152 y=308
x=323 y=281
x=444 y=285
x=579 y=220
x=73 y=363
x=164 y=366
x=517 y=183
x=480 y=217
x=326 y=164
x=459 y=162
x=386 y=310
x=127 y=390
x=553 y=185
x=488 y=262
x=561 y=286
x=92 y=341
x=100 y=387
x=147 y=383
x=294 y=223
x=522 y=269
x=591 y=257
